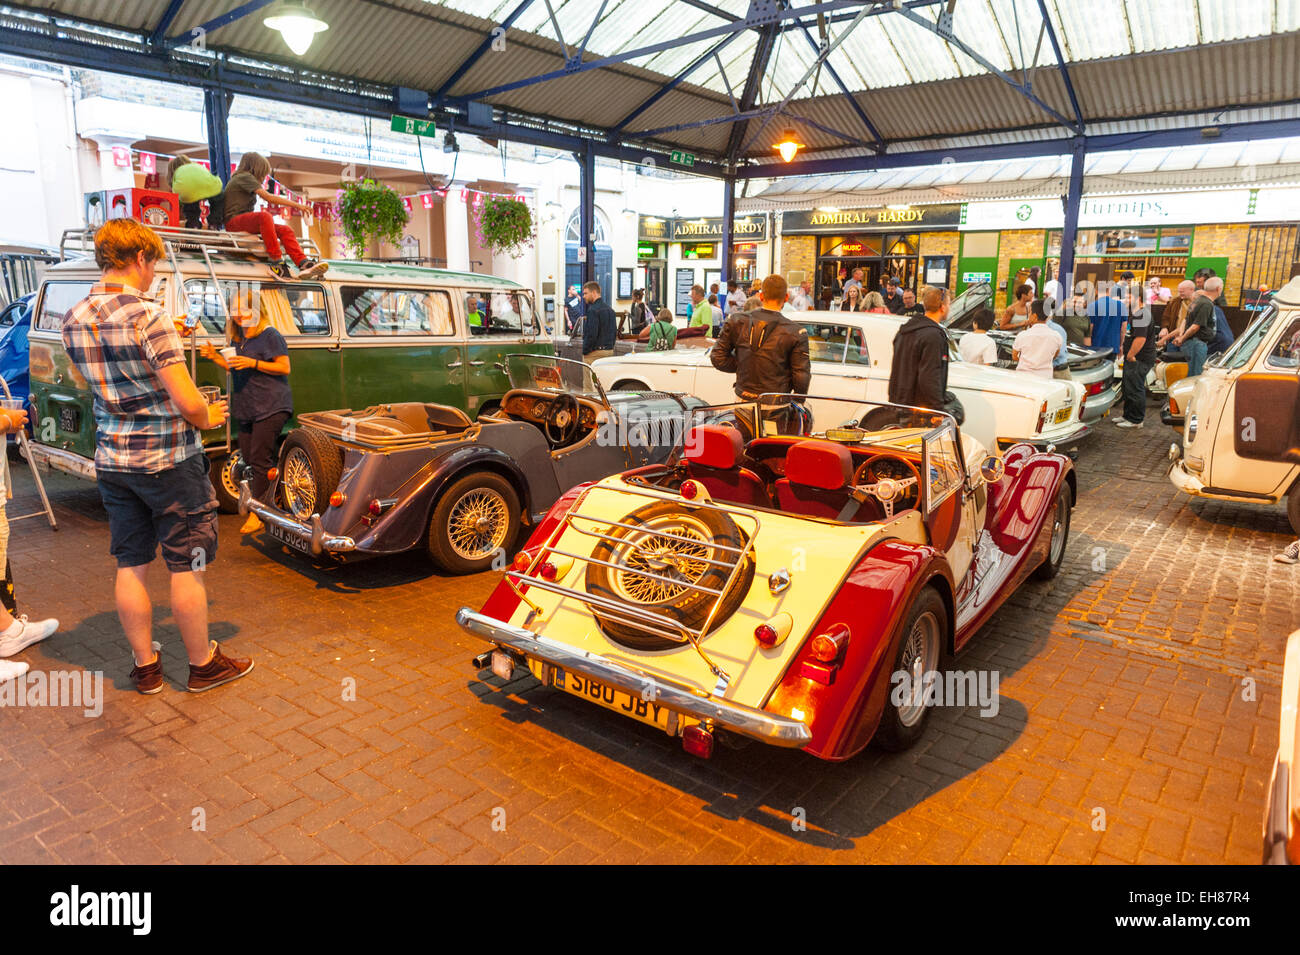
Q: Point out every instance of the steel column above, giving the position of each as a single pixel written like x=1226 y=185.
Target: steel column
x=216 y=115
x=1065 y=274
x=728 y=224
x=587 y=212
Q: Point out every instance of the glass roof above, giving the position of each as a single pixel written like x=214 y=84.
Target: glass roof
x=887 y=49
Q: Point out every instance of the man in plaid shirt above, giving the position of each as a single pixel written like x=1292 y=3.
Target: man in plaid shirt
x=149 y=460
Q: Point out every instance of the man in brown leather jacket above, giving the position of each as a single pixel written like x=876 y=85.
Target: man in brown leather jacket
x=767 y=351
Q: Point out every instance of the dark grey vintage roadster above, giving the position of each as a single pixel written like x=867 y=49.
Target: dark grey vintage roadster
x=392 y=478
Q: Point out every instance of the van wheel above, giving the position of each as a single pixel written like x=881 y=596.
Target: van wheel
x=473 y=522
x=310 y=467
x=1293 y=507
x=226 y=471
x=919 y=650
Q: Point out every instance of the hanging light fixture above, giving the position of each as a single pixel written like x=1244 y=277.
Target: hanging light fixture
x=788 y=145
x=297 y=24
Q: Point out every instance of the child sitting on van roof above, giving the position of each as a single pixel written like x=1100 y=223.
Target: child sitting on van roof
x=242 y=193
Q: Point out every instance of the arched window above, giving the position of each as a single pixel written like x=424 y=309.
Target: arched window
x=604 y=270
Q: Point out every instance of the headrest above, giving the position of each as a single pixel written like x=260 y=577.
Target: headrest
x=713 y=446
x=822 y=464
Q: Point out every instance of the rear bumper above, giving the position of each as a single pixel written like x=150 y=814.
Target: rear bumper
x=1096 y=407
x=744 y=720
x=68 y=462
x=1068 y=439
x=309 y=533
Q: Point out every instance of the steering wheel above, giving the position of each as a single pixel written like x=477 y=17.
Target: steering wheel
x=891 y=479
x=564 y=415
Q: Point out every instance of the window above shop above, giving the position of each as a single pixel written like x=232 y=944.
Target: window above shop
x=1124 y=242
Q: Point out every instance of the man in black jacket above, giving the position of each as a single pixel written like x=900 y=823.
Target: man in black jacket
x=601 y=327
x=767 y=351
x=919 y=373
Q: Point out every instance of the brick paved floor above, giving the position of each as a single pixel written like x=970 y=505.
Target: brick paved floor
x=1121 y=682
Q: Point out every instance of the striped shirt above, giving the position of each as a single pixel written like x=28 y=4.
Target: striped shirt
x=119 y=339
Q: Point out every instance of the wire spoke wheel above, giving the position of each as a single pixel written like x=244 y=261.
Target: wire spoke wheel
x=478 y=523
x=681 y=553
x=920 y=657
x=298 y=484
x=1060 y=522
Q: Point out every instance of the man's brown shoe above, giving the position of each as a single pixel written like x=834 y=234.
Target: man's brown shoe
x=149 y=678
x=220 y=670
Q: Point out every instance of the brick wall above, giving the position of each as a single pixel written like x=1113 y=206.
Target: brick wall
x=798 y=253
x=1017 y=244
x=938 y=243
x=1229 y=240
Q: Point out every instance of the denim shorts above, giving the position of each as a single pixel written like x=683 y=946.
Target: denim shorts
x=176 y=508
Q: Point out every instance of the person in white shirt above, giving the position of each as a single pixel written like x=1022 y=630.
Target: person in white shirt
x=1036 y=348
x=801 y=300
x=976 y=348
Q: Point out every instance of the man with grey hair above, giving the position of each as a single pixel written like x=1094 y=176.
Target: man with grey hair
x=1198 y=326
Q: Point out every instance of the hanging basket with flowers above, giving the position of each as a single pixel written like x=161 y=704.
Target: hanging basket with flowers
x=370 y=211
x=505 y=224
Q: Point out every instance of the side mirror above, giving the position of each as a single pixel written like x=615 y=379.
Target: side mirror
x=992 y=468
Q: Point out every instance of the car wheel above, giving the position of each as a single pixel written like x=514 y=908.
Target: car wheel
x=665 y=550
x=472 y=522
x=919 y=649
x=310 y=467
x=1060 y=536
x=1293 y=507
x=226 y=471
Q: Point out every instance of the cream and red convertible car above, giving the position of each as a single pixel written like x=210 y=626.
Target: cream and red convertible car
x=779 y=586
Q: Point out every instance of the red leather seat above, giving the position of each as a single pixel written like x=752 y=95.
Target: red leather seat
x=818 y=475
x=711 y=452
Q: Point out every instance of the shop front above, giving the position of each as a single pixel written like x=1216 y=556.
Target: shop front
x=887 y=242
x=673 y=254
x=1247 y=236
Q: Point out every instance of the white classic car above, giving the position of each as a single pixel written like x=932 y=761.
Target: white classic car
x=851 y=355
x=1241 y=428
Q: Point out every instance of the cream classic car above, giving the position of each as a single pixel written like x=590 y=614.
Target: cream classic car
x=1241 y=429
x=851 y=355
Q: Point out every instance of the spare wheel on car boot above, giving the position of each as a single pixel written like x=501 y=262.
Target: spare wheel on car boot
x=683 y=548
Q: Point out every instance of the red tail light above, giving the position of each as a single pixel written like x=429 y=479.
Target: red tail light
x=549 y=571
x=272 y=474
x=376 y=508
x=827 y=647
x=697 y=741
x=1042 y=416
x=765 y=634
x=690 y=490
x=337 y=499
x=1096 y=388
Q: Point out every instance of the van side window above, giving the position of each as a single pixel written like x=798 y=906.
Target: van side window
x=376 y=311
x=57 y=298
x=292 y=310
x=507 y=312
x=1286 y=353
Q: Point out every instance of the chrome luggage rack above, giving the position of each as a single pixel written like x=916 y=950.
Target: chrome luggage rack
x=359 y=429
x=237 y=244
x=623 y=611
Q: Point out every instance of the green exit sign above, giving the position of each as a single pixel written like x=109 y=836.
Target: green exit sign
x=682 y=158
x=416 y=127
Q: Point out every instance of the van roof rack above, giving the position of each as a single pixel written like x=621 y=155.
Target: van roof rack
x=231 y=244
